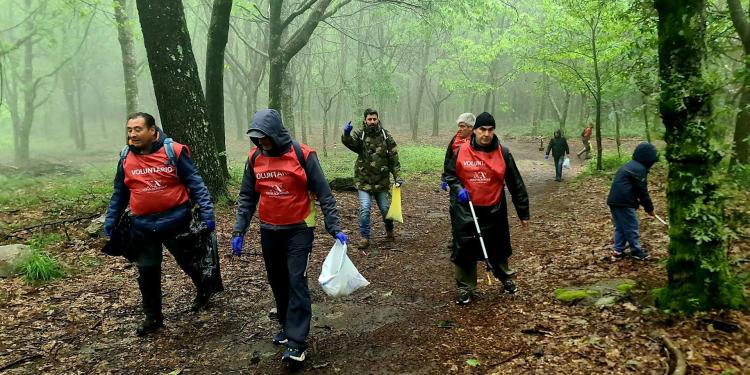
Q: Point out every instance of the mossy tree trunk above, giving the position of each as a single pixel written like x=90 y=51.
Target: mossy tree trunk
x=699 y=275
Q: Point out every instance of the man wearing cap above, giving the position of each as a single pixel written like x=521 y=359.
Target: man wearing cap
x=479 y=173
x=282 y=178
x=377 y=159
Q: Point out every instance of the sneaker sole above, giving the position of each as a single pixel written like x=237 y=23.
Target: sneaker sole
x=293 y=359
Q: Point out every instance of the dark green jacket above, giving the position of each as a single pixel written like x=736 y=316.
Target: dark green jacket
x=377 y=158
x=493 y=220
x=558 y=146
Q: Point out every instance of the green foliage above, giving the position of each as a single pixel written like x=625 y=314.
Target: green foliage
x=570 y=295
x=610 y=163
x=473 y=362
x=40 y=266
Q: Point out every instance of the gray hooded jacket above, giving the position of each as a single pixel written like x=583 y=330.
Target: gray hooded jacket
x=268 y=122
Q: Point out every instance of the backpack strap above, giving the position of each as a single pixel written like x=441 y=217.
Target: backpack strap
x=169 y=148
x=300 y=154
x=124 y=153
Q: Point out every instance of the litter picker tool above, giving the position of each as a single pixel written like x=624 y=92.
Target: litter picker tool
x=481 y=242
x=660 y=219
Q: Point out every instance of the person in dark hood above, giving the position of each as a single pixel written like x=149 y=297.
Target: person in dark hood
x=159 y=189
x=377 y=159
x=629 y=190
x=283 y=178
x=478 y=173
x=559 y=147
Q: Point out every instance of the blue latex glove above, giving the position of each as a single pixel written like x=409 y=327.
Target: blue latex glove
x=237 y=242
x=399 y=182
x=342 y=237
x=348 y=127
x=210 y=225
x=443 y=185
x=546 y=156
x=463 y=196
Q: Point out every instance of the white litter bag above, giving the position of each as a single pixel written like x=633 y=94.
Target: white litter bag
x=339 y=277
x=566 y=163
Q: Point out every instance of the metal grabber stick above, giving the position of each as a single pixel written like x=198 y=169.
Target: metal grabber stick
x=481 y=241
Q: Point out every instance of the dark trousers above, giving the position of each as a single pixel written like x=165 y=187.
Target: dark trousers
x=286 y=254
x=627 y=229
x=149 y=249
x=559 y=167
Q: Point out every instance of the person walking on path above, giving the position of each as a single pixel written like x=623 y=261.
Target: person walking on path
x=282 y=178
x=586 y=140
x=630 y=190
x=157 y=180
x=377 y=160
x=559 y=147
x=478 y=174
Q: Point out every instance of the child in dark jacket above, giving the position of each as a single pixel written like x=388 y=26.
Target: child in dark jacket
x=629 y=190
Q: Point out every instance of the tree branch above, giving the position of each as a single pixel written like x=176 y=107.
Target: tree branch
x=741 y=24
x=302 y=9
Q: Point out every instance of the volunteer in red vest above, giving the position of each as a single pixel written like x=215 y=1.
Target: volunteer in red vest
x=283 y=178
x=480 y=172
x=586 y=140
x=465 y=123
x=159 y=191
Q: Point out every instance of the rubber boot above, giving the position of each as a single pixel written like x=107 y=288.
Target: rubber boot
x=149 y=282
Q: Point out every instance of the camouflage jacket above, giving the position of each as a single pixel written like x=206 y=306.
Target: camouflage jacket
x=377 y=158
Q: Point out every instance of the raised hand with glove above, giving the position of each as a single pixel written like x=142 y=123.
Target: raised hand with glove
x=348 y=127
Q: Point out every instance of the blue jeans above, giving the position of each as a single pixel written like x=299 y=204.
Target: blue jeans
x=627 y=229
x=559 y=167
x=383 y=198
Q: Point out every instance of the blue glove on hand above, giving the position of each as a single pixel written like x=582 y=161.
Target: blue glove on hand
x=463 y=196
x=348 y=127
x=237 y=242
x=546 y=156
x=443 y=185
x=342 y=237
x=210 y=225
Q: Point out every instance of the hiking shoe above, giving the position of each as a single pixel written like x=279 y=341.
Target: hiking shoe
x=293 y=355
x=363 y=243
x=617 y=254
x=464 y=298
x=280 y=338
x=509 y=286
x=389 y=235
x=640 y=255
x=200 y=302
x=149 y=326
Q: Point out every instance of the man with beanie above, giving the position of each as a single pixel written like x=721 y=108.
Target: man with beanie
x=282 y=177
x=559 y=147
x=157 y=180
x=377 y=159
x=479 y=173
x=629 y=190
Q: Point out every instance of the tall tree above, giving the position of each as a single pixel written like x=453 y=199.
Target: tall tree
x=742 y=126
x=177 y=87
x=218 y=34
x=699 y=274
x=129 y=65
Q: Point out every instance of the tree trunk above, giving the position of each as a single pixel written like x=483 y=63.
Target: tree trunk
x=583 y=115
x=435 y=119
x=177 y=87
x=699 y=277
x=645 y=118
x=218 y=33
x=618 y=141
x=29 y=96
x=598 y=100
x=287 y=108
x=742 y=125
x=129 y=65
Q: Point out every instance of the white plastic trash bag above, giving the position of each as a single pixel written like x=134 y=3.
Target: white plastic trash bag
x=566 y=163
x=339 y=277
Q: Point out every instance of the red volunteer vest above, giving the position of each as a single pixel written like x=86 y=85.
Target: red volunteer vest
x=153 y=181
x=282 y=185
x=458 y=141
x=482 y=174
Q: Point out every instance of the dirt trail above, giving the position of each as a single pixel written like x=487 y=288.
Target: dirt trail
x=404 y=322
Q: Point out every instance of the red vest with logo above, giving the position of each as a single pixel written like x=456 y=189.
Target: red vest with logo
x=153 y=181
x=482 y=174
x=282 y=184
x=458 y=141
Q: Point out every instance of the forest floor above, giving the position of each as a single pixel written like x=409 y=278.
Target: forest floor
x=406 y=321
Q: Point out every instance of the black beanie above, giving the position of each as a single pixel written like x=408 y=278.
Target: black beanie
x=484 y=119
